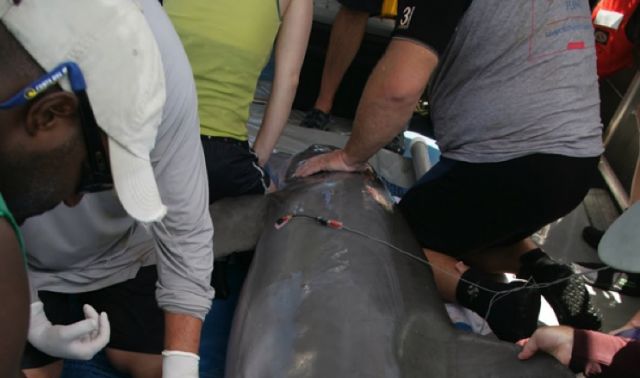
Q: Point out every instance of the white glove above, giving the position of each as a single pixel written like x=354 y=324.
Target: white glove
x=176 y=364
x=77 y=341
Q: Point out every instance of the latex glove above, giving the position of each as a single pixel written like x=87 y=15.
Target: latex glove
x=176 y=364
x=78 y=341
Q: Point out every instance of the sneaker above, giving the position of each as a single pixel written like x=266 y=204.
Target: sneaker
x=592 y=236
x=316 y=119
x=569 y=298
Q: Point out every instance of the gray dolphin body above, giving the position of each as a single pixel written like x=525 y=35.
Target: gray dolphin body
x=330 y=303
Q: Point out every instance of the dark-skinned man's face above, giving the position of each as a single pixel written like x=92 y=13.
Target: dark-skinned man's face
x=40 y=160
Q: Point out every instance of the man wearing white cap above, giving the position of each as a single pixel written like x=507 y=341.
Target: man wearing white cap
x=106 y=65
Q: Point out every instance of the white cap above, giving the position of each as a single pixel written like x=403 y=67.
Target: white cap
x=114 y=47
x=620 y=245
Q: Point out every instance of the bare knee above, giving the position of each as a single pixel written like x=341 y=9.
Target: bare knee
x=505 y=259
x=446 y=273
x=137 y=365
x=53 y=370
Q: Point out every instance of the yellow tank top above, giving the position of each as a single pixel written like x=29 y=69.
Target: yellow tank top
x=228 y=43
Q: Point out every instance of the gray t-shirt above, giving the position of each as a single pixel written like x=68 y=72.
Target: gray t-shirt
x=517 y=77
x=96 y=244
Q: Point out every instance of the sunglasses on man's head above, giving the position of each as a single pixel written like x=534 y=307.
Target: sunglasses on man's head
x=96 y=173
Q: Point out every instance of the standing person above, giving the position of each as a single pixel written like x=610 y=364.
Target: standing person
x=227 y=54
x=142 y=253
x=347 y=33
x=514 y=99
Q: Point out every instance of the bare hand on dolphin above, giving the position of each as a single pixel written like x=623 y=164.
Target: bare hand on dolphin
x=333 y=161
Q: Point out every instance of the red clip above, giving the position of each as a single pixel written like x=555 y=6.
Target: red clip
x=335 y=224
x=282 y=221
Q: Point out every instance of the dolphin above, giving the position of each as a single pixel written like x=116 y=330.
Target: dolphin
x=337 y=288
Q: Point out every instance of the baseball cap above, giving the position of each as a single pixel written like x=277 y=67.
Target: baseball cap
x=116 y=51
x=620 y=244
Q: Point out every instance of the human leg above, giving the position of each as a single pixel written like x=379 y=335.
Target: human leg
x=137 y=324
x=347 y=33
x=502 y=259
x=137 y=365
x=511 y=316
x=483 y=213
x=495 y=205
x=52 y=370
x=346 y=36
x=446 y=210
x=566 y=292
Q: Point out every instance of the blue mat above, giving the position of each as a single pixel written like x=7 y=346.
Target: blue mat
x=213 y=346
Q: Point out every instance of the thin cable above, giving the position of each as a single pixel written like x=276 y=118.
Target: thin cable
x=497 y=294
x=426 y=262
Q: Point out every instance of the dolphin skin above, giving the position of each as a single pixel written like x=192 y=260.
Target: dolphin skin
x=327 y=299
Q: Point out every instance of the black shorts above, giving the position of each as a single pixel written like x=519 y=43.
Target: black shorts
x=137 y=323
x=459 y=208
x=373 y=7
x=232 y=168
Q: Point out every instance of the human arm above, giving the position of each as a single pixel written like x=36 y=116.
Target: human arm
x=290 y=48
x=604 y=355
x=556 y=341
x=591 y=352
x=184 y=238
x=14 y=315
x=388 y=100
x=184 y=244
x=182 y=341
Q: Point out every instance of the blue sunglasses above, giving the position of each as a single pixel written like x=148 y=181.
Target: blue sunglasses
x=96 y=173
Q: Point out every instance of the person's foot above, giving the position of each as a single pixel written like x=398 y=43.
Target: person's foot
x=569 y=298
x=610 y=279
x=316 y=119
x=512 y=316
x=592 y=236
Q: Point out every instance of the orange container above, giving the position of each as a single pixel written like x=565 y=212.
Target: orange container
x=389 y=9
